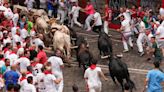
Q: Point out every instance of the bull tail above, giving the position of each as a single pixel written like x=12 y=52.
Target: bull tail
x=131 y=85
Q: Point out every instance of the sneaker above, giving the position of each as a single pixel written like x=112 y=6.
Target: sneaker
x=141 y=54
x=109 y=35
x=124 y=51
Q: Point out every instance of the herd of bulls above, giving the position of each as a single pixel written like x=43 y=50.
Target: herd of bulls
x=118 y=69
x=63 y=36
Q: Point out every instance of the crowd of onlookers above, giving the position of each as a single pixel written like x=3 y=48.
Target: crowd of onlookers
x=25 y=67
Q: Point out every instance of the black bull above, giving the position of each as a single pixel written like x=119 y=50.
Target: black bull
x=83 y=54
x=117 y=68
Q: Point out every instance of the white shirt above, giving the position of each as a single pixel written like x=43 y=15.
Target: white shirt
x=126 y=25
x=93 y=77
x=56 y=63
x=29 y=88
x=15 y=17
x=12 y=57
x=29 y=4
x=8 y=13
x=23 y=33
x=38 y=42
x=13 y=31
x=2 y=63
x=20 y=51
x=43 y=4
x=161 y=11
x=39 y=79
x=37 y=68
x=142 y=27
x=23 y=83
x=160 y=30
x=16 y=39
x=49 y=83
x=32 y=33
x=8 y=40
x=97 y=17
x=75 y=11
x=24 y=63
x=127 y=15
x=7 y=53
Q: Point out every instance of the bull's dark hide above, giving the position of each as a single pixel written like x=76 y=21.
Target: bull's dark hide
x=104 y=44
x=119 y=70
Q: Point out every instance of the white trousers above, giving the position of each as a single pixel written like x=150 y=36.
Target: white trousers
x=127 y=39
x=15 y=22
x=106 y=27
x=74 y=21
x=60 y=86
x=88 y=20
x=95 y=88
x=140 y=40
x=61 y=16
x=50 y=13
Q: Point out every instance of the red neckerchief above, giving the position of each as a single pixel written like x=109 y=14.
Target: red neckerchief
x=23 y=57
x=34 y=64
x=5 y=50
x=22 y=78
x=28 y=72
x=47 y=72
x=93 y=66
x=12 y=53
x=18 y=47
x=31 y=48
x=3 y=59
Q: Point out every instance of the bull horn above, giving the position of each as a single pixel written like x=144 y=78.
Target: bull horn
x=104 y=57
x=73 y=39
x=87 y=45
x=74 y=47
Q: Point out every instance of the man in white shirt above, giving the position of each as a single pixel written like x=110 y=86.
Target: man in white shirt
x=8 y=12
x=75 y=14
x=29 y=4
x=13 y=56
x=160 y=36
x=40 y=81
x=16 y=38
x=92 y=76
x=23 y=81
x=24 y=33
x=24 y=61
x=29 y=87
x=14 y=30
x=50 y=81
x=141 y=37
x=61 y=11
x=126 y=33
x=126 y=13
x=97 y=22
x=38 y=41
x=57 y=65
x=15 y=17
x=43 y=4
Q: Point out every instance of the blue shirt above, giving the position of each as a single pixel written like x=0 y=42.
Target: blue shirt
x=155 y=77
x=50 y=6
x=22 y=24
x=11 y=77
